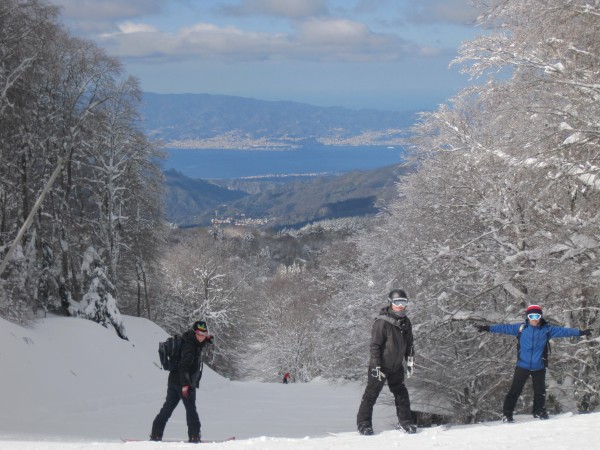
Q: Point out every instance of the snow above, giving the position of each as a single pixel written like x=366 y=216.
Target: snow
x=72 y=384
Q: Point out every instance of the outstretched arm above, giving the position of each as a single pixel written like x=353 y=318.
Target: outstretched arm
x=501 y=328
x=506 y=328
x=562 y=332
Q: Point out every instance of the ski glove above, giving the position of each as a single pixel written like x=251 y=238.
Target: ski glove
x=377 y=373
x=585 y=332
x=482 y=328
x=185 y=391
x=410 y=366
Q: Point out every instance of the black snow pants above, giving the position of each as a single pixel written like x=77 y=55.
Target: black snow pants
x=538 y=377
x=395 y=382
x=172 y=400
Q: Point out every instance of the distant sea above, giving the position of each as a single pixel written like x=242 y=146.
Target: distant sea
x=313 y=159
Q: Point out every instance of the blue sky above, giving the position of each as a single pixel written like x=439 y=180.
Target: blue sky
x=382 y=54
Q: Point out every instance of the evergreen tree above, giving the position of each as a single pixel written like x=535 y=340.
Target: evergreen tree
x=99 y=303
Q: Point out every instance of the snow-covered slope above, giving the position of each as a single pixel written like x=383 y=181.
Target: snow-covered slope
x=72 y=384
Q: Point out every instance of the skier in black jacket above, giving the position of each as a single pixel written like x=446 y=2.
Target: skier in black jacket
x=391 y=346
x=182 y=383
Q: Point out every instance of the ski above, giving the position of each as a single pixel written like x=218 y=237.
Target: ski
x=342 y=434
x=181 y=441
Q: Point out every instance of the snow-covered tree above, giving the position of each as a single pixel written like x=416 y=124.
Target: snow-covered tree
x=98 y=303
x=202 y=281
x=503 y=210
x=283 y=318
x=67 y=111
x=346 y=316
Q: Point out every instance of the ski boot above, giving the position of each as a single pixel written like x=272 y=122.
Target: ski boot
x=507 y=418
x=541 y=414
x=407 y=427
x=155 y=438
x=194 y=439
x=365 y=429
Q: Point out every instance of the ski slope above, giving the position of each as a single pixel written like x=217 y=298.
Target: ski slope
x=71 y=384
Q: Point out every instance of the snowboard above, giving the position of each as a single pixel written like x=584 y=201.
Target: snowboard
x=181 y=441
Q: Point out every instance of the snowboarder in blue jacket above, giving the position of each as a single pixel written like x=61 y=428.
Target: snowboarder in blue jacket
x=533 y=337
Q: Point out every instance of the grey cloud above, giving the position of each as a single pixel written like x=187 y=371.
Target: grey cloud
x=85 y=17
x=440 y=11
x=292 y=9
x=369 y=6
x=105 y=10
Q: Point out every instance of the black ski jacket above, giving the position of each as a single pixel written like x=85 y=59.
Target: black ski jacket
x=391 y=341
x=189 y=369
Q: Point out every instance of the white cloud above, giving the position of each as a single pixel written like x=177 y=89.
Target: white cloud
x=310 y=32
x=317 y=39
x=130 y=27
x=202 y=40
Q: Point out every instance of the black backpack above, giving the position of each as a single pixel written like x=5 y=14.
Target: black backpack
x=547 y=348
x=169 y=352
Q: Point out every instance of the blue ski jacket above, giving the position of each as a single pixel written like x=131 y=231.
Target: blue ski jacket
x=533 y=340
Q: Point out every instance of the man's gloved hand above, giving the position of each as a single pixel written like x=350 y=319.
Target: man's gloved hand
x=377 y=373
x=410 y=366
x=585 y=332
x=185 y=391
x=482 y=328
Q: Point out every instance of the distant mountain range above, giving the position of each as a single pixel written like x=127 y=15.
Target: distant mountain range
x=279 y=202
x=219 y=121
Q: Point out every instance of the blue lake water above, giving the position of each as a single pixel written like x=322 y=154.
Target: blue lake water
x=221 y=164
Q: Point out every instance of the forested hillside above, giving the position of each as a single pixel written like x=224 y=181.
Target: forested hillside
x=281 y=202
x=187 y=198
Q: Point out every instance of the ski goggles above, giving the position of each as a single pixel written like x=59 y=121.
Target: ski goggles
x=400 y=302
x=534 y=316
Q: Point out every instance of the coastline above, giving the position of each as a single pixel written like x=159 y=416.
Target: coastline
x=230 y=141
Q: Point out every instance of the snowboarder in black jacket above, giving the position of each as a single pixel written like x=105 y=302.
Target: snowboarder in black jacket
x=391 y=346
x=182 y=383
